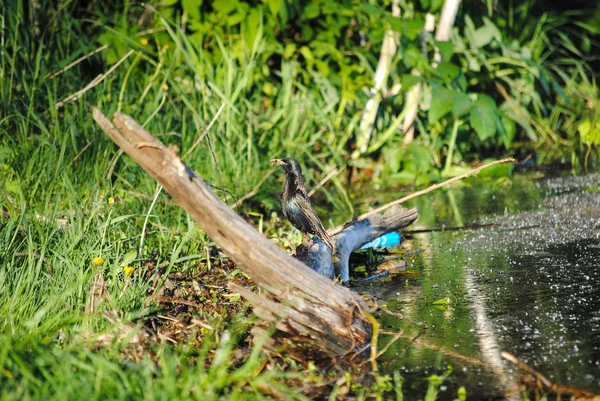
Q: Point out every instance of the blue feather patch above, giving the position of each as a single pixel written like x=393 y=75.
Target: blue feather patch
x=389 y=239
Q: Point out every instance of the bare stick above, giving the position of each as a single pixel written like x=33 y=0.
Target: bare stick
x=80 y=153
x=74 y=63
x=94 y=82
x=547 y=384
x=329 y=176
x=201 y=136
x=424 y=191
x=254 y=190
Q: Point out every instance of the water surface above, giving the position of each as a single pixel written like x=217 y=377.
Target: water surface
x=528 y=285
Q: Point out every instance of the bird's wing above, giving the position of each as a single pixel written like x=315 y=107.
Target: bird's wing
x=308 y=217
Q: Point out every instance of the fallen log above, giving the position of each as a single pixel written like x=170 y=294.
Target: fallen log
x=309 y=312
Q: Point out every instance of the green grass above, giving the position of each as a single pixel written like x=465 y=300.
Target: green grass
x=68 y=196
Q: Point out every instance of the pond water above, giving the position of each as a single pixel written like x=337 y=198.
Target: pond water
x=529 y=285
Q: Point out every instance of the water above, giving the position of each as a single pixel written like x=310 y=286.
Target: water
x=529 y=286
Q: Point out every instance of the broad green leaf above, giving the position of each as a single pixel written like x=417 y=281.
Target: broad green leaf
x=224 y=6
x=192 y=9
x=235 y=19
x=274 y=6
x=485 y=34
x=442 y=301
x=484 y=116
x=409 y=28
x=447 y=71
x=461 y=105
x=368 y=9
x=442 y=100
x=311 y=11
x=589 y=131
x=409 y=80
x=128 y=258
x=290 y=49
x=446 y=49
x=413 y=28
x=413 y=56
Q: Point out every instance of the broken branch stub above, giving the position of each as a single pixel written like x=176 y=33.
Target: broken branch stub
x=307 y=310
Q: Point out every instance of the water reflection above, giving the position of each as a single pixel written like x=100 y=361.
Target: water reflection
x=527 y=286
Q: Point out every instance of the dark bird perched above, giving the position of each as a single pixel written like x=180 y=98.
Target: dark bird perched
x=296 y=204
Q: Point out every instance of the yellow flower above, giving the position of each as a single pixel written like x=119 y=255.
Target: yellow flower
x=165 y=87
x=165 y=46
x=111 y=201
x=128 y=270
x=98 y=261
x=144 y=42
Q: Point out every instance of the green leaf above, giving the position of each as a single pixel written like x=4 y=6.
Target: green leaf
x=442 y=100
x=252 y=24
x=409 y=28
x=446 y=49
x=442 y=301
x=510 y=128
x=128 y=258
x=311 y=11
x=589 y=131
x=485 y=34
x=290 y=49
x=447 y=71
x=409 y=80
x=484 y=116
x=191 y=8
x=274 y=6
x=461 y=105
x=224 y=6
x=462 y=393
x=308 y=56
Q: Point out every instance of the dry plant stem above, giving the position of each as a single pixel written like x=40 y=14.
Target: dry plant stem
x=94 y=82
x=74 y=63
x=411 y=105
x=254 y=190
x=445 y=24
x=388 y=49
x=201 y=136
x=543 y=383
x=329 y=176
x=428 y=189
x=80 y=153
x=306 y=308
x=402 y=317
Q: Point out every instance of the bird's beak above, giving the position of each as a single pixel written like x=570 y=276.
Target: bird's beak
x=276 y=161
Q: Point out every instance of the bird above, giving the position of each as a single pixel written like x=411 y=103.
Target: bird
x=295 y=202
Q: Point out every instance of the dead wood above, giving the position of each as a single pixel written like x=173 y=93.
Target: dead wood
x=539 y=383
x=303 y=306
